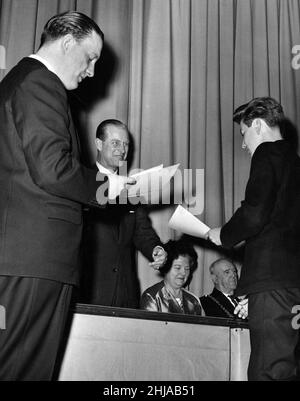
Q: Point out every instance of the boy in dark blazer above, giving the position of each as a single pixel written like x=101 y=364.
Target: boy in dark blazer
x=269 y=222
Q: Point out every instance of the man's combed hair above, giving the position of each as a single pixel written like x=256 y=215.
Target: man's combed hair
x=70 y=22
x=101 y=130
x=265 y=108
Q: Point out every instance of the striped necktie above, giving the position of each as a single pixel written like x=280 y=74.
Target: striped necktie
x=234 y=299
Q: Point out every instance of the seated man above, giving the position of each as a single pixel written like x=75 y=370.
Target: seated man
x=221 y=302
x=169 y=294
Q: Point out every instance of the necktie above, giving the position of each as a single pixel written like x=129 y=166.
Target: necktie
x=234 y=299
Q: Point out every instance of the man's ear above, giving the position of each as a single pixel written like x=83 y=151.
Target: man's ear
x=214 y=278
x=256 y=123
x=68 y=41
x=98 y=144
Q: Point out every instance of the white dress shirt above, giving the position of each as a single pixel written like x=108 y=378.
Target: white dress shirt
x=116 y=182
x=230 y=299
x=43 y=61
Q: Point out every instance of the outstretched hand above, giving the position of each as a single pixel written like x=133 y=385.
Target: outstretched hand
x=159 y=256
x=242 y=309
x=214 y=235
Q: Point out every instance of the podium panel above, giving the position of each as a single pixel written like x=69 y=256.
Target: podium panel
x=111 y=345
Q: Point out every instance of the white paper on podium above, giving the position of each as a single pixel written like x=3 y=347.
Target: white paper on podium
x=151 y=181
x=185 y=222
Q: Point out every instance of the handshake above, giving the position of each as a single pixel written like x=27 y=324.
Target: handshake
x=241 y=310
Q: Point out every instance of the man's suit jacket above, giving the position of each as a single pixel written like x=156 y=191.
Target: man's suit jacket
x=43 y=184
x=111 y=235
x=213 y=308
x=269 y=221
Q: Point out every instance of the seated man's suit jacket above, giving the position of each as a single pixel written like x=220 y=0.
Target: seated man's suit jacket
x=111 y=235
x=43 y=183
x=217 y=304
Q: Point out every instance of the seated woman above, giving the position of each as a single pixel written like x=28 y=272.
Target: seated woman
x=169 y=294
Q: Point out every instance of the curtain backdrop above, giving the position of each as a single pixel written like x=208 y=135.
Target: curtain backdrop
x=174 y=70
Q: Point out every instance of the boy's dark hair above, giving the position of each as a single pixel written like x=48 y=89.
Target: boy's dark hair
x=265 y=108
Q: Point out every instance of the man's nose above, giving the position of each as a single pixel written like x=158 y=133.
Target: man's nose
x=90 y=71
x=243 y=145
x=122 y=148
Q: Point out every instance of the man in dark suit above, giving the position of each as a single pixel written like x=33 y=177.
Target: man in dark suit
x=221 y=302
x=112 y=234
x=43 y=187
x=269 y=222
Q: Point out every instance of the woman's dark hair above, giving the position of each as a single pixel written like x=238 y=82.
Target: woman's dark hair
x=70 y=22
x=179 y=248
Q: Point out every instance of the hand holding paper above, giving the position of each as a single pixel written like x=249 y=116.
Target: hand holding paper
x=214 y=235
x=183 y=221
x=117 y=183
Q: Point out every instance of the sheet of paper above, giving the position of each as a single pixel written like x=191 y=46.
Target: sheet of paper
x=168 y=172
x=185 y=222
x=149 y=170
x=117 y=182
x=150 y=182
x=116 y=185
